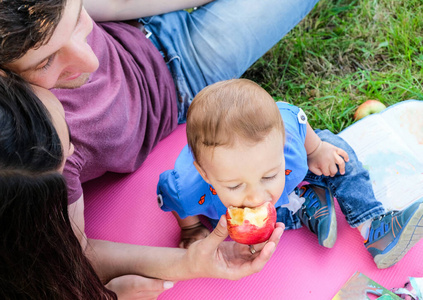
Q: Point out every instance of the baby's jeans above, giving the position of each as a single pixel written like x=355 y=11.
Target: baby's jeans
x=353 y=190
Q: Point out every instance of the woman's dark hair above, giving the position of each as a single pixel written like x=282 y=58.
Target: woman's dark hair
x=27 y=24
x=40 y=256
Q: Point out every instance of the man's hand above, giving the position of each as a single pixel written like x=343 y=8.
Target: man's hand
x=327 y=159
x=131 y=287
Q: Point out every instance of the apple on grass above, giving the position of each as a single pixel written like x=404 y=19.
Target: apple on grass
x=251 y=225
x=367 y=108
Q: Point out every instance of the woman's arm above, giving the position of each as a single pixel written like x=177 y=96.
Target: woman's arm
x=210 y=257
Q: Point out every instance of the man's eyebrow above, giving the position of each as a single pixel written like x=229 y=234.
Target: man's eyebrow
x=33 y=66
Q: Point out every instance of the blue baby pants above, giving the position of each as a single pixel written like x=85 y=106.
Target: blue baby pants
x=353 y=190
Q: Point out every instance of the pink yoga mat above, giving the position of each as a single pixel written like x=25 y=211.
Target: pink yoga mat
x=123 y=208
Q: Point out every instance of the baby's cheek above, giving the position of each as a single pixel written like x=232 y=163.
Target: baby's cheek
x=279 y=189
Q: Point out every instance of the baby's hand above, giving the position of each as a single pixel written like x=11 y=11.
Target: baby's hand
x=193 y=233
x=327 y=159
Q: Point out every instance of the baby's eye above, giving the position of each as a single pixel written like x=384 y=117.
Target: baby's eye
x=270 y=177
x=233 y=188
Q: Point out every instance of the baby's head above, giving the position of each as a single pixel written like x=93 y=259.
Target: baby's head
x=236 y=135
x=231 y=111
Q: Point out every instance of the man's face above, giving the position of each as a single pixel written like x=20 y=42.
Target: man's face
x=66 y=61
x=246 y=174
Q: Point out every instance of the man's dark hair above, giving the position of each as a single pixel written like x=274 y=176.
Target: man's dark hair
x=26 y=24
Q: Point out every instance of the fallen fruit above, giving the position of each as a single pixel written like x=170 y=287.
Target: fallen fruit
x=367 y=108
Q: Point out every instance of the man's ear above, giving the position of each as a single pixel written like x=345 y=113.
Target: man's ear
x=201 y=171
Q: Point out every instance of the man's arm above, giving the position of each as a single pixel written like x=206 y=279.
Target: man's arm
x=119 y=10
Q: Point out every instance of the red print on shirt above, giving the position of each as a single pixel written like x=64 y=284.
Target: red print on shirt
x=202 y=199
x=213 y=191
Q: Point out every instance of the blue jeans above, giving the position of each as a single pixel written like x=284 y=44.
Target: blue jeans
x=220 y=40
x=353 y=190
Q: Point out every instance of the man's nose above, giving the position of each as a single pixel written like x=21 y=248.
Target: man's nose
x=80 y=54
x=80 y=58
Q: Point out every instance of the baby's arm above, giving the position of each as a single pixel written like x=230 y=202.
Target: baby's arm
x=322 y=157
x=191 y=230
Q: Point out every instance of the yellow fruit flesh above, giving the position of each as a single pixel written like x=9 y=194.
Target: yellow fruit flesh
x=256 y=216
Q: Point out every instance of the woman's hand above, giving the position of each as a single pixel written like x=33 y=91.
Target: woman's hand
x=214 y=257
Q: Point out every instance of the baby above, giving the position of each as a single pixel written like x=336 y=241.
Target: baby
x=244 y=150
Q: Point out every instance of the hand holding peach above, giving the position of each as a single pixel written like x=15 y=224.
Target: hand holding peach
x=251 y=225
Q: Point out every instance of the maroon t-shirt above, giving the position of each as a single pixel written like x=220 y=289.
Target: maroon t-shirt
x=126 y=107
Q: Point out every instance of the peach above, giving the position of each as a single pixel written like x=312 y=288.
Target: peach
x=367 y=108
x=251 y=225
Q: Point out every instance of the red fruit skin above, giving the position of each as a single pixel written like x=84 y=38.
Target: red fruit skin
x=367 y=108
x=251 y=234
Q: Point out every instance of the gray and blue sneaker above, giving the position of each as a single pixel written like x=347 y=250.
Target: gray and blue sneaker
x=318 y=213
x=393 y=234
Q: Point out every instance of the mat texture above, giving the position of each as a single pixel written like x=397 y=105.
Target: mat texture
x=123 y=208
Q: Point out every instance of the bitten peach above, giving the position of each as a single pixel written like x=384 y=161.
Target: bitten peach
x=251 y=225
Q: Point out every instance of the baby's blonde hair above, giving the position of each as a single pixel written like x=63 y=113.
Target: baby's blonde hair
x=229 y=111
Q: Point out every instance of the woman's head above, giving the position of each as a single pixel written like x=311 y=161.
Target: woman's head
x=40 y=256
x=28 y=140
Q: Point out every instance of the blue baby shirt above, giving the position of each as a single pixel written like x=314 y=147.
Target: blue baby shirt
x=184 y=191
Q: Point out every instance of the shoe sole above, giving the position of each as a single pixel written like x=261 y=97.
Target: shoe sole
x=330 y=240
x=412 y=233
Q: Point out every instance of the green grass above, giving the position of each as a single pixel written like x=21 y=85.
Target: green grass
x=344 y=53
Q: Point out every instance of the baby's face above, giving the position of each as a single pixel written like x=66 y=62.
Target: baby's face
x=246 y=174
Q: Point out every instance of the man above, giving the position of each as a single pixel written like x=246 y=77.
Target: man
x=126 y=87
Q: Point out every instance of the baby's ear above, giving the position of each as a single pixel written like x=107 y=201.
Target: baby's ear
x=201 y=171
